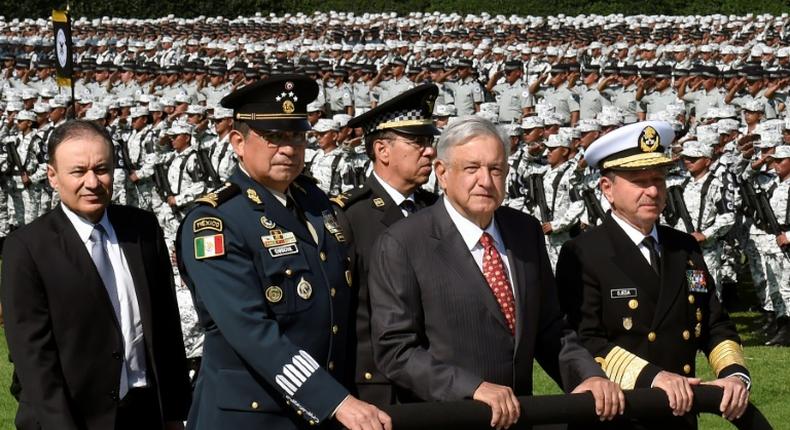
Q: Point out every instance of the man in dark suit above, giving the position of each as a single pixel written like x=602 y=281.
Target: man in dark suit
x=639 y=293
x=399 y=136
x=266 y=262
x=462 y=295
x=90 y=312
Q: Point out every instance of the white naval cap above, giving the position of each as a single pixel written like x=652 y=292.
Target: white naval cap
x=324 y=124
x=636 y=146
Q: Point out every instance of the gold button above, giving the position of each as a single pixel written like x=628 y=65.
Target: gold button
x=335 y=329
x=313 y=422
x=686 y=334
x=254 y=405
x=687 y=369
x=633 y=304
x=651 y=336
x=699 y=314
x=289 y=272
x=322 y=254
x=691 y=298
x=298 y=412
x=332 y=292
x=368 y=376
x=331 y=365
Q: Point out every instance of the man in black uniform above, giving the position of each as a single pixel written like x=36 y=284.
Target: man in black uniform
x=266 y=263
x=640 y=294
x=398 y=138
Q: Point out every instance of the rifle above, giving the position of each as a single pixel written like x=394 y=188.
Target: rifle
x=751 y=206
x=676 y=195
x=594 y=209
x=210 y=174
x=770 y=222
x=13 y=156
x=539 y=194
x=160 y=182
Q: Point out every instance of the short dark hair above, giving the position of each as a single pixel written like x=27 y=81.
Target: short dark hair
x=242 y=127
x=76 y=128
x=381 y=134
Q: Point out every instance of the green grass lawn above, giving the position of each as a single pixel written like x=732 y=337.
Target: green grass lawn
x=768 y=366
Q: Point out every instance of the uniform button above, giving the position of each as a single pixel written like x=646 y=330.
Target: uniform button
x=687 y=369
x=298 y=412
x=313 y=422
x=289 y=272
x=117 y=355
x=114 y=395
x=332 y=292
x=254 y=405
x=651 y=336
x=322 y=255
x=686 y=335
x=335 y=329
x=633 y=304
x=331 y=365
x=368 y=376
x=691 y=298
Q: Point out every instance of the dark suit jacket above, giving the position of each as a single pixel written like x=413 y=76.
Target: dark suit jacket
x=365 y=214
x=62 y=332
x=438 y=331
x=614 y=298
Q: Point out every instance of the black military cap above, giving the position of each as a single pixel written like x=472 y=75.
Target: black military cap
x=559 y=68
x=277 y=103
x=397 y=61
x=464 y=62
x=44 y=63
x=753 y=73
x=647 y=72
x=710 y=72
x=7 y=57
x=730 y=73
x=663 y=72
x=409 y=112
x=251 y=72
x=217 y=70
x=629 y=70
x=102 y=67
x=436 y=66
x=189 y=67
x=591 y=68
x=513 y=65
x=340 y=72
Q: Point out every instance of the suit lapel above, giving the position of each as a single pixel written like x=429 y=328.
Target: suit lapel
x=390 y=212
x=129 y=241
x=452 y=249
x=673 y=265
x=75 y=250
x=629 y=259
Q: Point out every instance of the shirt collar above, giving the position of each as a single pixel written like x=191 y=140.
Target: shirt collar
x=635 y=235
x=470 y=232
x=394 y=194
x=83 y=226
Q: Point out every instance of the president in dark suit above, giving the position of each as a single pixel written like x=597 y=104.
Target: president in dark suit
x=399 y=135
x=90 y=312
x=639 y=293
x=462 y=295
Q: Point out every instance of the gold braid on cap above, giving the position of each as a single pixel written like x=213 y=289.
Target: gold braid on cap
x=622 y=367
x=726 y=354
x=639 y=160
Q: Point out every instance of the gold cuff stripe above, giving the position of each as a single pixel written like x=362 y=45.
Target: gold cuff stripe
x=623 y=367
x=726 y=354
x=406 y=123
x=638 y=160
x=259 y=116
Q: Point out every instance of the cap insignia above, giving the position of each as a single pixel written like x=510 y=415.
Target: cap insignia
x=649 y=139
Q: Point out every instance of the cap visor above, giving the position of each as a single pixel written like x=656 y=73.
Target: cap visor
x=418 y=130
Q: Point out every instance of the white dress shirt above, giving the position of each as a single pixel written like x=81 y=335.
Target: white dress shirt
x=471 y=234
x=637 y=236
x=394 y=194
x=133 y=371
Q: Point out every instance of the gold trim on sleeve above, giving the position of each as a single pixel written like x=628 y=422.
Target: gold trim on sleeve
x=623 y=367
x=726 y=354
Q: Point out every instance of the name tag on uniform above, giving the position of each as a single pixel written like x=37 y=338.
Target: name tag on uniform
x=697 y=281
x=278 y=238
x=622 y=293
x=280 y=251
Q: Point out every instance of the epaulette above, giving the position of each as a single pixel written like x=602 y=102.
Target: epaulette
x=219 y=195
x=347 y=199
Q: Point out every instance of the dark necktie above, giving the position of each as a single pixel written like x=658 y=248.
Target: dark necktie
x=655 y=259
x=496 y=275
x=408 y=206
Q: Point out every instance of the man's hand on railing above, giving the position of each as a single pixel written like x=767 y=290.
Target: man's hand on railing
x=609 y=398
x=505 y=408
x=678 y=389
x=735 y=398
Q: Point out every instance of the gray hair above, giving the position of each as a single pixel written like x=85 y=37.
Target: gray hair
x=464 y=129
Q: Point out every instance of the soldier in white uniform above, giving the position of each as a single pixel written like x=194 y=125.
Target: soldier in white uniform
x=20 y=162
x=512 y=94
x=327 y=164
x=467 y=91
x=223 y=158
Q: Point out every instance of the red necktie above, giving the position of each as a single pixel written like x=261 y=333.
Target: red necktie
x=496 y=275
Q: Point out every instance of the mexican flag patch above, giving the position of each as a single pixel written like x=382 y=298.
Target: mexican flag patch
x=209 y=246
